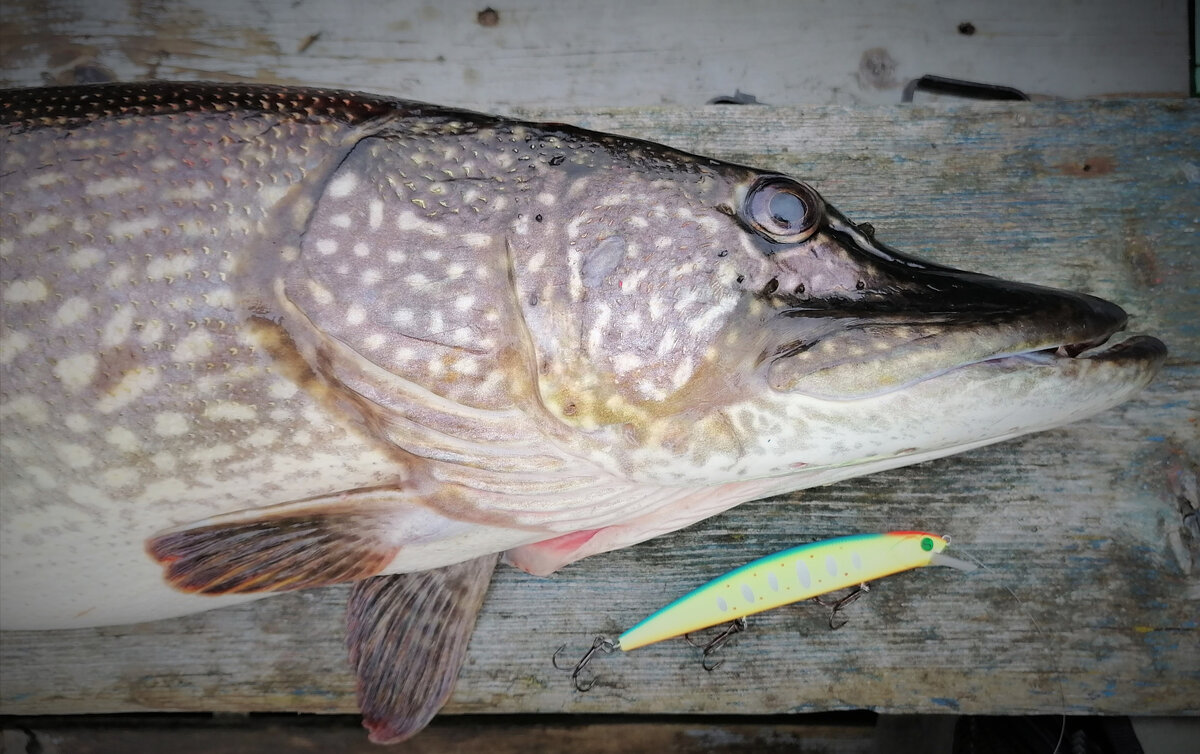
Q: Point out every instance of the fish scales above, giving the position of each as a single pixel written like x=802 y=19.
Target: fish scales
x=255 y=339
x=193 y=343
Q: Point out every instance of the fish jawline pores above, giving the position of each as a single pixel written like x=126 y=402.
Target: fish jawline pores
x=1114 y=359
x=974 y=404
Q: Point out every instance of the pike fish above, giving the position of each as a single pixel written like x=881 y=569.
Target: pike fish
x=258 y=339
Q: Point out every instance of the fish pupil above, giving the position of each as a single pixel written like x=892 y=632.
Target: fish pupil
x=787 y=209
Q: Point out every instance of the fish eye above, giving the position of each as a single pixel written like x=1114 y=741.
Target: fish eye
x=783 y=210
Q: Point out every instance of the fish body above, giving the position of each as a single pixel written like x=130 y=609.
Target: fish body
x=795 y=574
x=259 y=338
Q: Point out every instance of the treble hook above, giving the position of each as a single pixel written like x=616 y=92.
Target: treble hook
x=600 y=644
x=720 y=640
x=842 y=604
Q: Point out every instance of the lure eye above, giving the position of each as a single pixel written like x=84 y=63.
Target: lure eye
x=783 y=210
x=926 y=544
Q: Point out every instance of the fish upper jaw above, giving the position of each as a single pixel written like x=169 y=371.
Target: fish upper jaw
x=908 y=320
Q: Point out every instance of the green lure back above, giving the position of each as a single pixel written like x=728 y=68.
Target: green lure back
x=790 y=576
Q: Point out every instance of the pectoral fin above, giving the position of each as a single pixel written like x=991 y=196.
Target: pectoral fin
x=328 y=540
x=407 y=635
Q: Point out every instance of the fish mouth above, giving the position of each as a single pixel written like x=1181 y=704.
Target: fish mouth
x=918 y=321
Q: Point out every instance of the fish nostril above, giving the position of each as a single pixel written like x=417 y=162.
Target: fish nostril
x=860 y=285
x=800 y=289
x=771 y=287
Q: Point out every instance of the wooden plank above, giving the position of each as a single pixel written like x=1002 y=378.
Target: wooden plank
x=628 y=52
x=497 y=735
x=471 y=734
x=1092 y=591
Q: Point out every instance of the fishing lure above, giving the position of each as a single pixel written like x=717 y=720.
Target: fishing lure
x=795 y=574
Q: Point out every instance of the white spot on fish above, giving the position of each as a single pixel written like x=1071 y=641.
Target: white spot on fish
x=117 y=329
x=164 y=461
x=465 y=303
x=12 y=344
x=41 y=478
x=431 y=255
x=712 y=314
x=47 y=178
x=123 y=439
x=409 y=221
x=110 y=186
x=626 y=362
x=630 y=282
x=218 y=452
x=118 y=477
x=43 y=223
x=161 y=268
x=230 y=411
x=340 y=220
x=375 y=214
x=669 y=339
x=536 y=262
x=320 y=293
x=29 y=407
x=355 y=315
x=152 y=332
x=282 y=390
x=546 y=198
x=327 y=246
x=75 y=456
x=77 y=422
x=85 y=258
x=370 y=277
x=375 y=341
x=132 y=386
x=342 y=186
x=467 y=366
x=682 y=373
x=262 y=437
x=477 y=240
x=417 y=280
x=131 y=228
x=6 y=247
x=402 y=317
x=193 y=347
x=119 y=277
x=170 y=424
x=25 y=291
x=76 y=372
x=657 y=308
x=194 y=191
x=361 y=249
x=72 y=310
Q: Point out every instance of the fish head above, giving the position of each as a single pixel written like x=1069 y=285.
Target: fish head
x=703 y=322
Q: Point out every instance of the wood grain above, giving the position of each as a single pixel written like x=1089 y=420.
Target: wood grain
x=1091 y=595
x=629 y=52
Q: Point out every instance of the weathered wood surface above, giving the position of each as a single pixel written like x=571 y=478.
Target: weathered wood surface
x=494 y=734
x=628 y=52
x=1091 y=598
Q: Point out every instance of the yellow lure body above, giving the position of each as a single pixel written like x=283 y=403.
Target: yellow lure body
x=793 y=575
